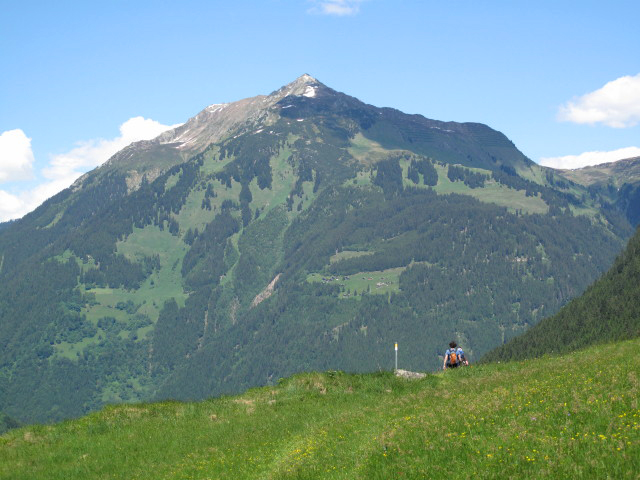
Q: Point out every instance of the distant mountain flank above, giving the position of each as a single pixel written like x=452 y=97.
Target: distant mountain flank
x=616 y=173
x=618 y=182
x=609 y=311
x=300 y=230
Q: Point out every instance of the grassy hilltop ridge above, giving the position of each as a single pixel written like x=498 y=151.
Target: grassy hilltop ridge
x=574 y=416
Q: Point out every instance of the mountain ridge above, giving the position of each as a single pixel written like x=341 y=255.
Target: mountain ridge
x=140 y=282
x=626 y=170
x=215 y=122
x=218 y=121
x=618 y=182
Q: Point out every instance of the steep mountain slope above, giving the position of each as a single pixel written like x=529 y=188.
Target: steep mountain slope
x=299 y=230
x=574 y=416
x=614 y=173
x=608 y=311
x=618 y=182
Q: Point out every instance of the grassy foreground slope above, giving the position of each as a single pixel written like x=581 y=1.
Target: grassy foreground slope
x=575 y=416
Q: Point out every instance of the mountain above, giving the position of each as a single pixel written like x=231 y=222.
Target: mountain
x=614 y=173
x=515 y=420
x=608 y=311
x=618 y=182
x=301 y=230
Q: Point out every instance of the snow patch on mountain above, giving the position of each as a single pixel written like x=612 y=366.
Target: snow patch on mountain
x=310 y=91
x=217 y=107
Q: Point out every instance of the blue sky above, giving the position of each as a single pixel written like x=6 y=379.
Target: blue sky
x=82 y=79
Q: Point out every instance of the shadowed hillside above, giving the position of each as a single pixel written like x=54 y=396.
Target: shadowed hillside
x=608 y=311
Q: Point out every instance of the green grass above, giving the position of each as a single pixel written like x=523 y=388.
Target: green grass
x=535 y=173
x=192 y=215
x=575 y=416
x=72 y=350
x=212 y=162
x=172 y=181
x=492 y=192
x=283 y=180
x=379 y=282
x=346 y=254
x=160 y=286
x=367 y=151
x=362 y=179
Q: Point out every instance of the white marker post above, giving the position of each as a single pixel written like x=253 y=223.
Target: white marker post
x=396 y=355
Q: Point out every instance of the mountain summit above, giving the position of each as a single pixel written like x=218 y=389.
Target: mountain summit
x=305 y=85
x=301 y=230
x=211 y=125
x=219 y=121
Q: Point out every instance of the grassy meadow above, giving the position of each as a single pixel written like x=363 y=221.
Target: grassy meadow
x=381 y=282
x=574 y=416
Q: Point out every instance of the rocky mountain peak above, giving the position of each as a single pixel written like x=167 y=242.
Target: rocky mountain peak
x=305 y=85
x=213 y=124
x=218 y=120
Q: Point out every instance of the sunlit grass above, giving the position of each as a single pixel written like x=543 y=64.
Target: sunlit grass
x=575 y=416
x=381 y=282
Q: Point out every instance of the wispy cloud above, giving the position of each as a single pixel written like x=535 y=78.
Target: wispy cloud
x=570 y=162
x=16 y=163
x=336 y=7
x=616 y=104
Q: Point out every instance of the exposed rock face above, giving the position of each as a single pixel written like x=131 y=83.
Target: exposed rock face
x=134 y=179
x=218 y=121
x=266 y=293
x=215 y=123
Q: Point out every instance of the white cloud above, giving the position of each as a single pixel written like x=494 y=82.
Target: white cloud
x=569 y=162
x=9 y=205
x=617 y=105
x=337 y=7
x=63 y=169
x=14 y=206
x=93 y=153
x=16 y=157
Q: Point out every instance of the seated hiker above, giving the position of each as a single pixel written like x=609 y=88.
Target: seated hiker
x=454 y=357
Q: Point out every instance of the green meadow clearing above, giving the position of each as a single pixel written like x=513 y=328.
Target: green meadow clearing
x=574 y=416
x=380 y=282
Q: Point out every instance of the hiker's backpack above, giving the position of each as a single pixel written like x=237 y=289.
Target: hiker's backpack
x=453 y=357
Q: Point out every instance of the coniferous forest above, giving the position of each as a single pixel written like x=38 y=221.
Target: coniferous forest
x=312 y=236
x=608 y=311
